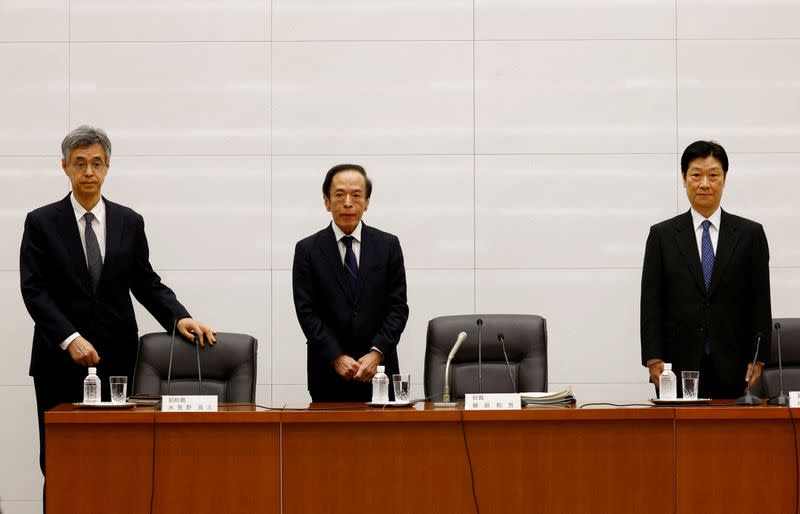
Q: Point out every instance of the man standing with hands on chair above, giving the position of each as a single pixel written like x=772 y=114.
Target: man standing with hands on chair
x=705 y=285
x=349 y=285
x=80 y=259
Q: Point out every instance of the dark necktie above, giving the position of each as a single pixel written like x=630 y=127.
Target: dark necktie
x=707 y=261
x=350 y=264
x=94 y=261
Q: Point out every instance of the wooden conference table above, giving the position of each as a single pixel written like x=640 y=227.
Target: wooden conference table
x=423 y=459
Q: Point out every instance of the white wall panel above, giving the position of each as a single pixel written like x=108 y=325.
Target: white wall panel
x=364 y=20
x=575 y=97
x=289 y=348
x=169 y=20
x=565 y=211
x=174 y=98
x=372 y=98
x=33 y=97
x=229 y=301
x=200 y=212
x=592 y=318
x=34 y=181
x=17 y=334
x=740 y=93
x=785 y=292
x=574 y=19
x=20 y=477
x=34 y=20
x=722 y=19
x=427 y=201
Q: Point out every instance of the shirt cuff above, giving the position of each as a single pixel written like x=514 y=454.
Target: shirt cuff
x=65 y=343
x=653 y=361
x=377 y=350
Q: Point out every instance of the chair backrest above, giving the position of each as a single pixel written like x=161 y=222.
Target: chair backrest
x=526 y=345
x=790 y=353
x=228 y=367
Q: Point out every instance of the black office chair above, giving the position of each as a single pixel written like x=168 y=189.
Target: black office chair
x=228 y=368
x=769 y=385
x=526 y=345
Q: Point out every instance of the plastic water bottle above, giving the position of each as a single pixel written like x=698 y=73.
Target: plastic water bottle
x=667 y=384
x=91 y=387
x=380 y=386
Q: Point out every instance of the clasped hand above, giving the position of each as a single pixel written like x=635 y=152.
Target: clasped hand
x=361 y=370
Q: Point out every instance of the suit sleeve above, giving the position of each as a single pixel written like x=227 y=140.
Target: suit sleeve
x=147 y=287
x=46 y=314
x=762 y=307
x=651 y=302
x=320 y=337
x=396 y=317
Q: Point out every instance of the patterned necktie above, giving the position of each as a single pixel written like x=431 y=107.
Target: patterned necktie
x=351 y=264
x=94 y=261
x=707 y=261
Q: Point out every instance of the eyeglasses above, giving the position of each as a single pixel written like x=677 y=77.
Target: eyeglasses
x=96 y=166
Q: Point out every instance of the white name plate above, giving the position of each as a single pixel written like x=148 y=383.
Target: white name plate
x=794 y=398
x=492 y=401
x=189 y=403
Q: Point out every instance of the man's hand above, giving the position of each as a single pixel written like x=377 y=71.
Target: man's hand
x=369 y=366
x=189 y=327
x=346 y=366
x=82 y=352
x=756 y=373
x=655 y=368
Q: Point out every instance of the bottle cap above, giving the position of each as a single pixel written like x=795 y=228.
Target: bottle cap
x=93 y=370
x=381 y=369
x=667 y=366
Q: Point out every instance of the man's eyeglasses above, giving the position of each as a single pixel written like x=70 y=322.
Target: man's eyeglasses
x=96 y=166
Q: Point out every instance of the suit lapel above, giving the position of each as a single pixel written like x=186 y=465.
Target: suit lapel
x=726 y=244
x=72 y=240
x=115 y=225
x=366 y=257
x=687 y=243
x=330 y=248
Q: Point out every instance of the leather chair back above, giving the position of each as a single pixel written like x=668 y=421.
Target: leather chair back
x=228 y=368
x=526 y=345
x=769 y=385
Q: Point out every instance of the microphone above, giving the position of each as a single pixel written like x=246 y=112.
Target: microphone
x=508 y=366
x=781 y=399
x=171 y=349
x=460 y=339
x=748 y=398
x=199 y=373
x=480 y=360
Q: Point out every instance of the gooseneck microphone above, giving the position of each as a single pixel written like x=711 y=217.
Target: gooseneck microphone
x=171 y=348
x=748 y=398
x=781 y=399
x=502 y=340
x=460 y=339
x=480 y=359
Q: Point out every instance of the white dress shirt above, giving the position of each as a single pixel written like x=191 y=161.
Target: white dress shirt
x=339 y=234
x=99 y=227
x=713 y=229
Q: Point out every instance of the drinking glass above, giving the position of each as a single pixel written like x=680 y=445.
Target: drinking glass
x=119 y=389
x=402 y=386
x=690 y=380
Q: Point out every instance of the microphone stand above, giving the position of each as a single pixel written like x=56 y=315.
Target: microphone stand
x=479 y=321
x=748 y=398
x=781 y=399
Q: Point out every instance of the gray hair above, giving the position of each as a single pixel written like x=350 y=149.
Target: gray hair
x=84 y=136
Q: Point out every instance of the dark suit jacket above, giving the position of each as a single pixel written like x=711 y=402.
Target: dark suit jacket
x=333 y=320
x=677 y=315
x=57 y=292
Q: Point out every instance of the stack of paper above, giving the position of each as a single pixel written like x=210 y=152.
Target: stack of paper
x=548 y=398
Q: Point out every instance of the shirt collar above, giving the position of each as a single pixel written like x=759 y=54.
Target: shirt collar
x=715 y=219
x=339 y=233
x=98 y=210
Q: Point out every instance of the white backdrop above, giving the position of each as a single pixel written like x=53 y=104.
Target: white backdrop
x=519 y=149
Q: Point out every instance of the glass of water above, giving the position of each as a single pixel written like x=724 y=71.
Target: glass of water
x=690 y=380
x=119 y=389
x=402 y=386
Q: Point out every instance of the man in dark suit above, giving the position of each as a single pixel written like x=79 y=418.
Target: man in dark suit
x=80 y=259
x=705 y=285
x=349 y=286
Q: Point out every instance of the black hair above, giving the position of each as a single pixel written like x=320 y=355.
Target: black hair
x=326 y=184
x=701 y=150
